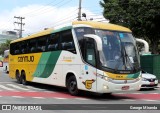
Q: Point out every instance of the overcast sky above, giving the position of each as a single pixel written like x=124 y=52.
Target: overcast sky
x=40 y=14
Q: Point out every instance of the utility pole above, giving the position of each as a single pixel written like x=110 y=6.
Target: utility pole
x=79 y=11
x=21 y=25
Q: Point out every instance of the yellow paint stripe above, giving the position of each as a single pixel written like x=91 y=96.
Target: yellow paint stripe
x=117 y=76
x=67 y=60
x=102 y=25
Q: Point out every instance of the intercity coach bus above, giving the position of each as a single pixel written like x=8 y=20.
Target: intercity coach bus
x=90 y=56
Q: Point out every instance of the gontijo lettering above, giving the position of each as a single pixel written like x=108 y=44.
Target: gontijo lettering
x=26 y=59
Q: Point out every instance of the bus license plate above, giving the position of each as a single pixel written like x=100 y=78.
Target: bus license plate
x=125 y=87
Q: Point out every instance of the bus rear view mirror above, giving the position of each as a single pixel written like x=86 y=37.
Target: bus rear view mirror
x=97 y=39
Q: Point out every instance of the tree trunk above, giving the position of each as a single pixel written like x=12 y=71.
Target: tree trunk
x=154 y=46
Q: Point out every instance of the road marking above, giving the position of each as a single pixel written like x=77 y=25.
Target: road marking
x=38 y=97
x=17 y=87
x=153 y=93
x=5 y=82
x=82 y=98
x=59 y=98
x=128 y=100
x=32 y=91
x=119 y=93
x=6 y=88
x=30 y=87
x=137 y=93
x=148 y=100
x=18 y=96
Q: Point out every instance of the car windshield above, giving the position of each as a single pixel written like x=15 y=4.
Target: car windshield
x=119 y=50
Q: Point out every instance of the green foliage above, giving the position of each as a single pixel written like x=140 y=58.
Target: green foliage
x=4 y=46
x=141 y=16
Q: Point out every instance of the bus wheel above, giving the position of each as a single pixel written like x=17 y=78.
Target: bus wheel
x=72 y=85
x=23 y=78
x=18 y=78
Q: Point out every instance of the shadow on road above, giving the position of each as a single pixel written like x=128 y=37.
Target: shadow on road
x=82 y=94
x=148 y=89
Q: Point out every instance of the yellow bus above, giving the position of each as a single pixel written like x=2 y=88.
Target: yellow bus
x=90 y=56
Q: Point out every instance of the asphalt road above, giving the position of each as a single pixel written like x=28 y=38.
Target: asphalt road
x=57 y=98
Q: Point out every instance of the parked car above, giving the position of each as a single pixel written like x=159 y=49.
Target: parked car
x=149 y=80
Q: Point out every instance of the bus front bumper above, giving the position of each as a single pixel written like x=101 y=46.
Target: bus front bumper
x=109 y=87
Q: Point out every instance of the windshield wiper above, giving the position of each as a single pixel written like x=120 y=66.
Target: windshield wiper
x=118 y=63
x=125 y=59
x=128 y=60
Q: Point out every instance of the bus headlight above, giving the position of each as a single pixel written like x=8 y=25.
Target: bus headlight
x=103 y=77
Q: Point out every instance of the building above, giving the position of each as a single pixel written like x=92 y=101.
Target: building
x=8 y=35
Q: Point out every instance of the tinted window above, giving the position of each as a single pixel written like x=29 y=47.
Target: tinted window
x=12 y=48
x=41 y=44
x=16 y=48
x=90 y=55
x=53 y=42
x=24 y=47
x=80 y=32
x=32 y=46
x=67 y=42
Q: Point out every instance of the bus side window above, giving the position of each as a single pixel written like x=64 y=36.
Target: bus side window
x=13 y=46
x=53 y=42
x=41 y=44
x=67 y=42
x=90 y=54
x=32 y=46
x=24 y=47
x=12 y=50
x=16 y=51
x=17 y=48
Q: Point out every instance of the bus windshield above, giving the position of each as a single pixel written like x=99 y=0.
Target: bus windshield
x=119 y=50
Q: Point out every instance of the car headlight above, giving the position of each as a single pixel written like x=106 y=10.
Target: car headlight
x=144 y=79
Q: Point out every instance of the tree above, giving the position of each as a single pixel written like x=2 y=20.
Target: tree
x=141 y=16
x=4 y=46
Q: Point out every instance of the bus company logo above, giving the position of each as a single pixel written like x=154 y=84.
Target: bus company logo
x=88 y=83
x=26 y=59
x=68 y=59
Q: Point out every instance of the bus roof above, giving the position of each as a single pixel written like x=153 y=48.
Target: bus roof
x=98 y=25
x=102 y=25
x=44 y=32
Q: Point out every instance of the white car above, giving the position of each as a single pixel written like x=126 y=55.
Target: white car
x=149 y=80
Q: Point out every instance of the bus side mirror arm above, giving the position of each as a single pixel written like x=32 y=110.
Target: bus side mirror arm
x=97 y=39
